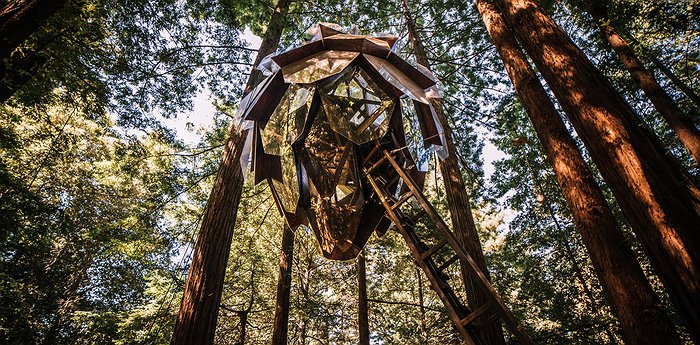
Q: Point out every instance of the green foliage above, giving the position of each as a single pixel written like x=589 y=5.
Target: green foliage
x=99 y=202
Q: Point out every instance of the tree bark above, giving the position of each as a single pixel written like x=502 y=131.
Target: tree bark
x=196 y=321
x=644 y=78
x=687 y=90
x=284 y=288
x=633 y=301
x=21 y=18
x=458 y=200
x=362 y=306
x=659 y=201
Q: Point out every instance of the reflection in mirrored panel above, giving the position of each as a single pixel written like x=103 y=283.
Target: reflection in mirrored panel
x=414 y=139
x=318 y=66
x=356 y=107
x=288 y=188
x=288 y=119
x=397 y=78
x=335 y=188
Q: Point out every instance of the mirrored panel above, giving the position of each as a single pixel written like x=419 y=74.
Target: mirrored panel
x=414 y=139
x=397 y=78
x=288 y=188
x=335 y=188
x=288 y=119
x=356 y=107
x=318 y=66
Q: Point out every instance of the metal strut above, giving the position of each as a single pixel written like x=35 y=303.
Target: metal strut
x=430 y=258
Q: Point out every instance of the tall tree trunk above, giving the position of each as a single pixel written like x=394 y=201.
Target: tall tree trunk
x=196 y=320
x=659 y=201
x=687 y=90
x=68 y=300
x=664 y=104
x=633 y=301
x=458 y=200
x=362 y=305
x=284 y=288
x=21 y=18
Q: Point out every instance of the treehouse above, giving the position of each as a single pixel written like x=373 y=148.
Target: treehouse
x=316 y=120
x=340 y=129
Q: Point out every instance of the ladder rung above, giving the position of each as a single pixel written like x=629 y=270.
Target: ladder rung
x=381 y=159
x=475 y=314
x=402 y=199
x=412 y=220
x=448 y=263
x=371 y=154
x=434 y=249
x=376 y=164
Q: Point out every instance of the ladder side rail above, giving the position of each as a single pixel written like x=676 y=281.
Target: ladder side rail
x=513 y=324
x=437 y=286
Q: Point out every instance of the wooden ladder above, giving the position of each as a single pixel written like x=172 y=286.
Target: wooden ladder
x=431 y=257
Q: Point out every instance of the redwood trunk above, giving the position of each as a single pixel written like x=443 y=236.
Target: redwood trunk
x=362 y=305
x=284 y=288
x=633 y=301
x=196 y=320
x=20 y=18
x=687 y=90
x=458 y=201
x=659 y=201
x=644 y=78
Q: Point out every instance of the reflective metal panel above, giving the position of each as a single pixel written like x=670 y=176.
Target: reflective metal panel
x=356 y=107
x=318 y=66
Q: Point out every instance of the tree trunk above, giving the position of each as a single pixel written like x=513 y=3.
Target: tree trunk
x=244 y=322
x=196 y=320
x=284 y=288
x=644 y=78
x=659 y=201
x=633 y=302
x=687 y=90
x=362 y=307
x=68 y=301
x=21 y=18
x=458 y=201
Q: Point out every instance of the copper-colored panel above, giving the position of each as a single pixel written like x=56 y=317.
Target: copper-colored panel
x=327 y=30
x=317 y=66
x=288 y=186
x=373 y=73
x=390 y=40
x=356 y=43
x=335 y=188
x=293 y=219
x=421 y=79
x=398 y=79
x=266 y=98
x=288 y=120
x=296 y=54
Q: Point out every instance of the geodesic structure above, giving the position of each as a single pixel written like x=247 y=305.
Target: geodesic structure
x=321 y=109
